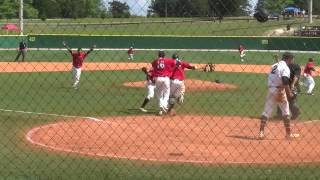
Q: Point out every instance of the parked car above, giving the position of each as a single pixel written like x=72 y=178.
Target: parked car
x=274 y=16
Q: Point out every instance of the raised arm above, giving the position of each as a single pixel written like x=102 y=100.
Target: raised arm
x=66 y=46
x=91 y=49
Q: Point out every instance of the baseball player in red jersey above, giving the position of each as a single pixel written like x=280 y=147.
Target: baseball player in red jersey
x=77 y=61
x=177 y=86
x=307 y=74
x=150 y=85
x=130 y=53
x=242 y=52
x=162 y=71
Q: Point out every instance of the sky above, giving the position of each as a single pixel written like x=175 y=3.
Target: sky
x=140 y=7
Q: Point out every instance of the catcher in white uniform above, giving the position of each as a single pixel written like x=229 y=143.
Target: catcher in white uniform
x=278 y=94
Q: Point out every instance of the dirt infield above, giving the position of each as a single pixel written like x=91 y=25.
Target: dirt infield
x=192 y=85
x=182 y=139
x=12 y=67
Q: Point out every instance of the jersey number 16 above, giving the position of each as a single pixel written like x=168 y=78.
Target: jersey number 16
x=161 y=65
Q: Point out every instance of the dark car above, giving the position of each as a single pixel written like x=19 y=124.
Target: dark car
x=274 y=16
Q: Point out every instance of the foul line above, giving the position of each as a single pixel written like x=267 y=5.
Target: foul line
x=50 y=114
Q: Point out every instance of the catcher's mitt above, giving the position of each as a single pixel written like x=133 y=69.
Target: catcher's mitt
x=144 y=69
x=209 y=67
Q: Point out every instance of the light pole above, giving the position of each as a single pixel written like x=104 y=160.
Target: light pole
x=21 y=17
x=310 y=11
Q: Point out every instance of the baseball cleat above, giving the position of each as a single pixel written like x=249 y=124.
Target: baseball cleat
x=160 y=113
x=292 y=136
x=261 y=135
x=143 y=109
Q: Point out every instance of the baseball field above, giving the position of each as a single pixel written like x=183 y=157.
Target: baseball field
x=51 y=131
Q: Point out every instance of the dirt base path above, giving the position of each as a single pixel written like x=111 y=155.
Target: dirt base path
x=6 y=67
x=183 y=139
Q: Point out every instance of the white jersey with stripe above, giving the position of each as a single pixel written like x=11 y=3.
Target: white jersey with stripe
x=278 y=70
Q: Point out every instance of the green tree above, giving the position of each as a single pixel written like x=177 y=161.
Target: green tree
x=47 y=8
x=228 y=7
x=28 y=9
x=69 y=8
x=303 y=4
x=277 y=5
x=163 y=8
x=10 y=9
x=260 y=4
x=186 y=8
x=119 y=9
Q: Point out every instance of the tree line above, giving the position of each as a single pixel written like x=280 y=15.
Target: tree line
x=200 y=8
x=160 y=8
x=64 y=9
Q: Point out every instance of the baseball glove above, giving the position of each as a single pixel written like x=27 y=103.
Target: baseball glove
x=209 y=67
x=144 y=69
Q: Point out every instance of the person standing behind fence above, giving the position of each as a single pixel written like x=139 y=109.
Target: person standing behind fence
x=162 y=71
x=77 y=61
x=308 y=79
x=278 y=94
x=130 y=53
x=242 y=52
x=22 y=51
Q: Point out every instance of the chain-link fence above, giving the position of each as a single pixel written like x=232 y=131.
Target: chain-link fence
x=159 y=89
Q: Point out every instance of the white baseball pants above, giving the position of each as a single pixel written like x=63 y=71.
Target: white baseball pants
x=162 y=91
x=177 y=90
x=150 y=89
x=76 y=73
x=309 y=83
x=271 y=101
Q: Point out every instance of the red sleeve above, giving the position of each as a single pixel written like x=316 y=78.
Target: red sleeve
x=153 y=64
x=186 y=65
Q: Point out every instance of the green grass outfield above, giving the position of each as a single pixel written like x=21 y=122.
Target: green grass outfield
x=148 y=56
x=157 y=26
x=100 y=95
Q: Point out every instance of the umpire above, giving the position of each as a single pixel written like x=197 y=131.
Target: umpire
x=295 y=72
x=21 y=51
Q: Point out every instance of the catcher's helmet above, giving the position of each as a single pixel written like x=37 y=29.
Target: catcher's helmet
x=161 y=53
x=287 y=55
x=261 y=15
